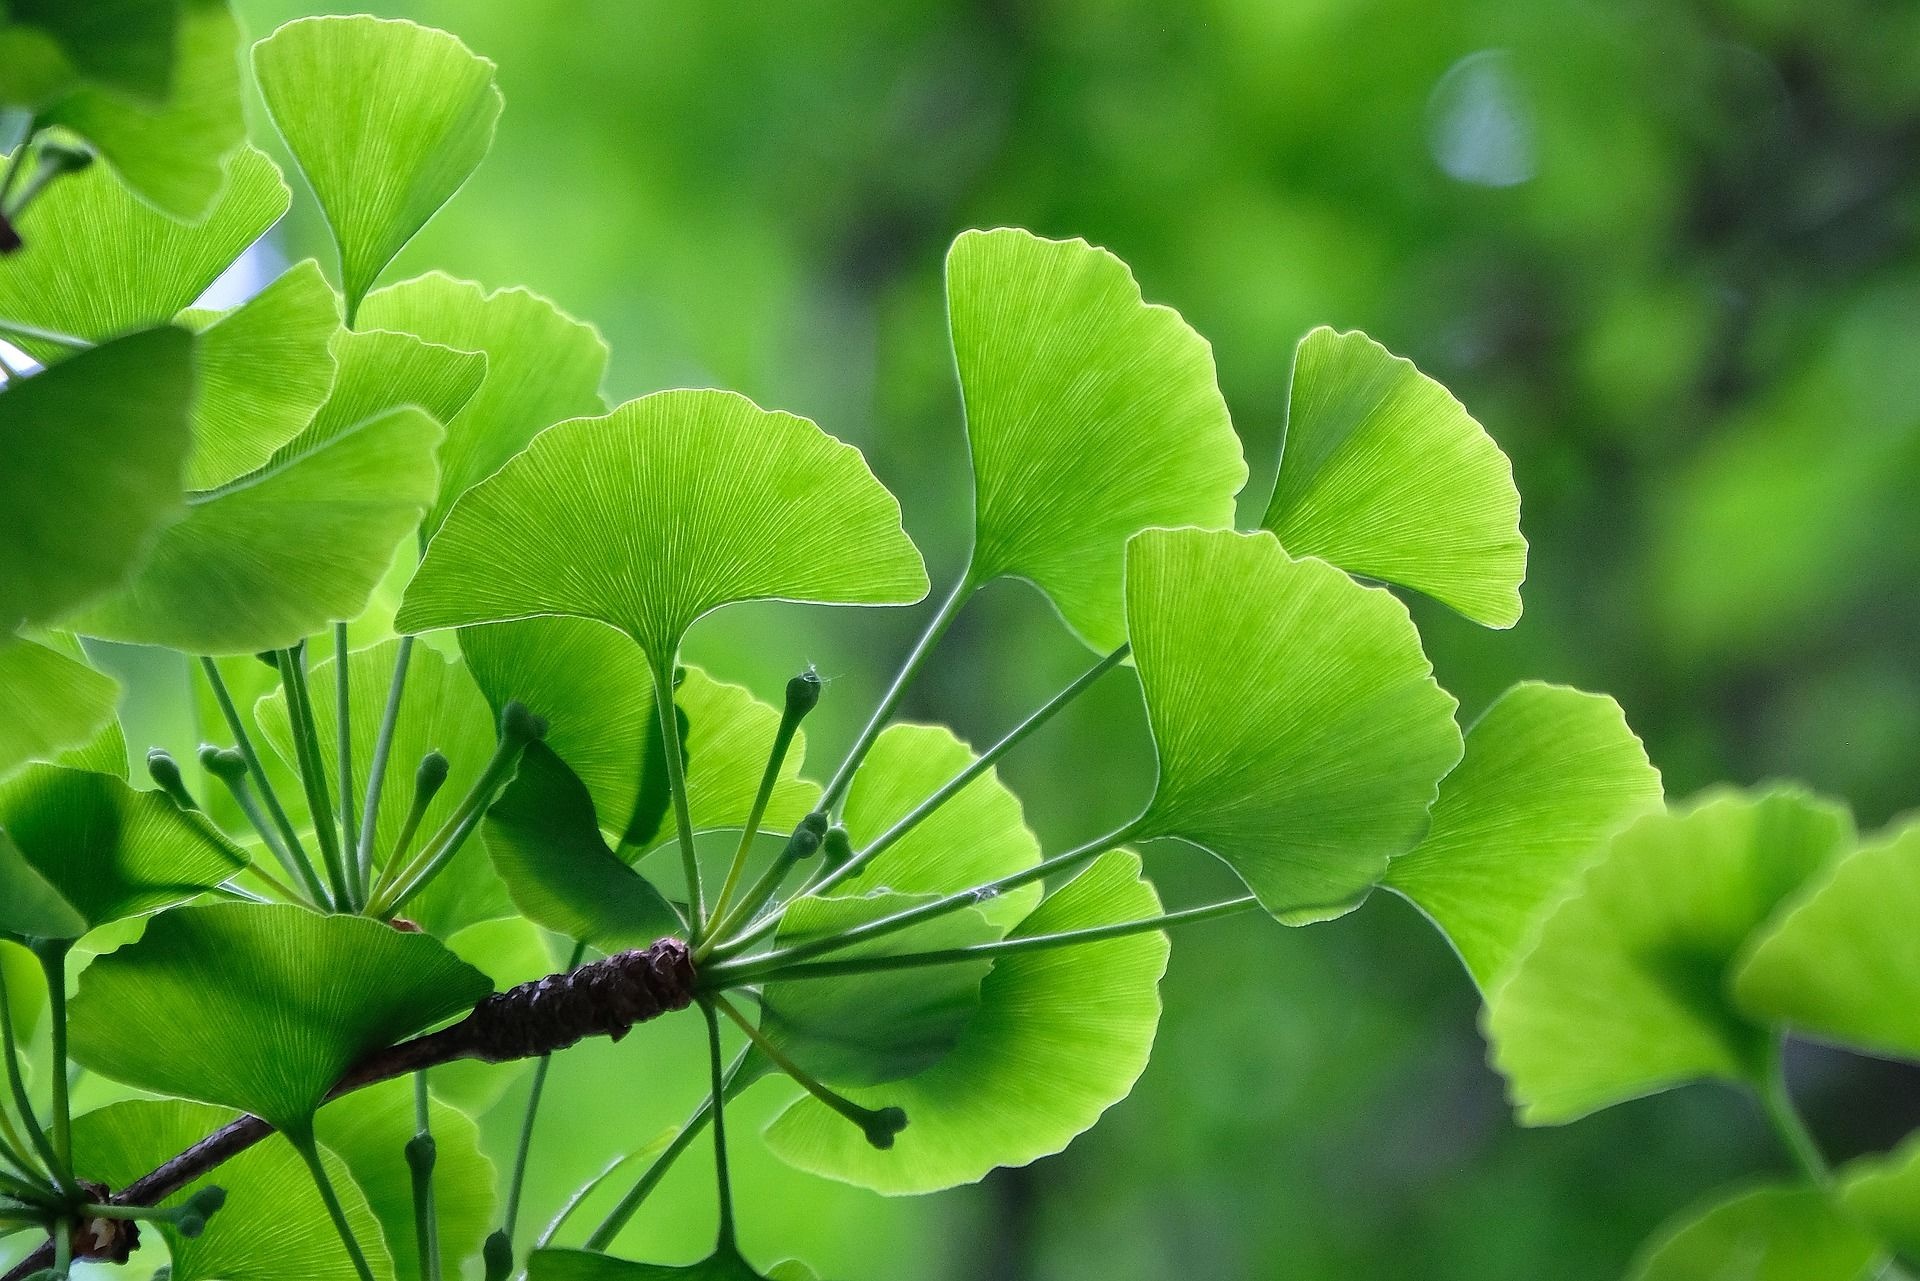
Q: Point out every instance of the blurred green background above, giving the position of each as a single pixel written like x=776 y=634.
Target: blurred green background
x=1665 y=251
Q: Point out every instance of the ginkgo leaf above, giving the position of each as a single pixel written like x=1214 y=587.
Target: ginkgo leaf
x=592 y=686
x=369 y=1130
x=1060 y=1036
x=669 y=507
x=171 y=152
x=1769 y=1233
x=867 y=1029
x=978 y=836
x=1091 y=414
x=275 y=556
x=265 y=368
x=273 y=1224
x=380 y=372
x=1386 y=475
x=101 y=262
x=101 y=849
x=128 y=45
x=48 y=702
x=1625 y=993
x=386 y=119
x=1300 y=733
x=440 y=711
x=724 y=1265
x=95 y=449
x=1883 y=1192
x=1842 y=963
x=543 y=366
x=219 y=1003
x=1550 y=773
x=545 y=841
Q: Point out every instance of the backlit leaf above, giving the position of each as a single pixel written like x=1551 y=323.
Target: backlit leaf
x=543 y=366
x=582 y=1265
x=127 y=44
x=1549 y=775
x=1091 y=414
x=1843 y=964
x=100 y=262
x=669 y=507
x=1771 y=1233
x=219 y=1003
x=1385 y=475
x=265 y=368
x=278 y=554
x=48 y=702
x=1060 y=1036
x=1883 y=1193
x=380 y=372
x=99 y=851
x=1626 y=993
x=273 y=1226
x=95 y=448
x=1300 y=733
x=386 y=119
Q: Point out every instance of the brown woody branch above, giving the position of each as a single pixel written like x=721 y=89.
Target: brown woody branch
x=607 y=998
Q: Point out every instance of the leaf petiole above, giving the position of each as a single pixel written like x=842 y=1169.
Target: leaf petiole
x=1787 y=1123
x=677 y=788
x=880 y=1126
x=23 y=1103
x=310 y=1153
x=288 y=848
x=342 y=702
x=377 y=766
x=422 y=1154
x=313 y=774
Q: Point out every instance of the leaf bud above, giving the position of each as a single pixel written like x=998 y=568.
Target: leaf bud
x=224 y=763
x=518 y=724
x=498 y=1255
x=881 y=1126
x=165 y=773
x=806 y=838
x=803 y=694
x=430 y=777
x=837 y=849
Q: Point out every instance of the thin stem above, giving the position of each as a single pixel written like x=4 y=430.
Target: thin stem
x=910 y=668
x=313 y=773
x=316 y=893
x=310 y=1153
x=776 y=757
x=53 y=963
x=517 y=1182
x=984 y=762
x=62 y=1247
x=953 y=902
x=752 y=971
x=618 y=1217
x=879 y=1126
x=377 y=767
x=286 y=892
x=20 y=329
x=422 y=1155
x=677 y=788
x=723 y=1176
x=25 y=1189
x=409 y=881
x=719 y=940
x=342 y=703
x=23 y=1102
x=1788 y=1125
x=292 y=850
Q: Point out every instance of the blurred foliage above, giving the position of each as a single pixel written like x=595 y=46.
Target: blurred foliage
x=1664 y=251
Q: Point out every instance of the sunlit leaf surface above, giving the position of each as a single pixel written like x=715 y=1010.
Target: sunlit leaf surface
x=1769 y=1233
x=48 y=702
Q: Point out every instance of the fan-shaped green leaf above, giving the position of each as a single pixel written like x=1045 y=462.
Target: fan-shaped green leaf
x=48 y=702
x=1770 y=1233
x=1883 y=1192
x=866 y=1029
x=1549 y=774
x=220 y=1003
x=265 y=369
x=1386 y=475
x=171 y=153
x=127 y=44
x=440 y=710
x=278 y=554
x=386 y=119
x=94 y=448
x=725 y=1265
x=26 y=986
x=1626 y=991
x=1301 y=735
x=1060 y=1036
x=380 y=372
x=593 y=687
x=978 y=836
x=1091 y=414
x=100 y=849
x=669 y=507
x=100 y=262
x=369 y=1130
x=542 y=366
x=273 y=1226
x=546 y=844
x=1843 y=964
